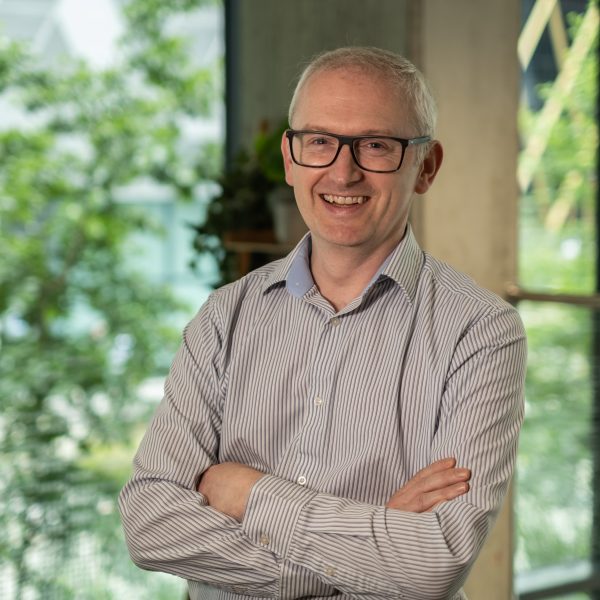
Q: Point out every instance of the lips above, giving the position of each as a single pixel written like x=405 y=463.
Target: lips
x=344 y=200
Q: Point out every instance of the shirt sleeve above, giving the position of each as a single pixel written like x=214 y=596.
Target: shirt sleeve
x=365 y=549
x=168 y=525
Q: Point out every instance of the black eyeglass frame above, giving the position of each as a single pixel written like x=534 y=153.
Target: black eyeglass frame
x=349 y=141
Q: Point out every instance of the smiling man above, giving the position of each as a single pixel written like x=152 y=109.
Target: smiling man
x=344 y=421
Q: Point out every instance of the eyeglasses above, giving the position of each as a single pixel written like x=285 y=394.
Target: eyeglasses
x=379 y=154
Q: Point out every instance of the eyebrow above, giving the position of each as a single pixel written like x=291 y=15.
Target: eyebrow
x=373 y=132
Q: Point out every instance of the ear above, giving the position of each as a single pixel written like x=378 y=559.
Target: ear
x=429 y=167
x=288 y=163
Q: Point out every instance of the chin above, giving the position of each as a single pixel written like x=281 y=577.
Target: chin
x=345 y=241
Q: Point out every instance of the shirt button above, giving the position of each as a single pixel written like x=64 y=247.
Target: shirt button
x=264 y=540
x=334 y=321
x=329 y=571
x=318 y=401
x=301 y=480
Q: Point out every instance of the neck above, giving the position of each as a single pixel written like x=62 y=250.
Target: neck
x=342 y=273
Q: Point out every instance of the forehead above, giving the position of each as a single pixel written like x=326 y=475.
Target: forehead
x=352 y=101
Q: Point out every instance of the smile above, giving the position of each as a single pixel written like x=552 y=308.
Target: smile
x=344 y=200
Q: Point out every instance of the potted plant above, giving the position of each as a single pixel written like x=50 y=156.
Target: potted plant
x=255 y=204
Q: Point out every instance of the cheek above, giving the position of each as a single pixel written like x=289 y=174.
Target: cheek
x=303 y=181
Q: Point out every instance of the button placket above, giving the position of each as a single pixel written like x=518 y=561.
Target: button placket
x=315 y=425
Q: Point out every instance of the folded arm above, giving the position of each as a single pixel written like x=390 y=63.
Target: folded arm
x=338 y=544
x=358 y=548
x=227 y=487
x=171 y=527
x=168 y=524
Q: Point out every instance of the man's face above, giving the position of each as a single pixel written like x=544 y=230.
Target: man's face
x=352 y=102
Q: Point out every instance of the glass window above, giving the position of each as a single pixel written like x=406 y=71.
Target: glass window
x=554 y=489
x=557 y=169
x=94 y=277
x=558 y=471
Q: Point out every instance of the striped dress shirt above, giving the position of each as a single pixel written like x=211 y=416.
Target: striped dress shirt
x=339 y=409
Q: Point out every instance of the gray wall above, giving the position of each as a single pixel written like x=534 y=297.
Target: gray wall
x=270 y=41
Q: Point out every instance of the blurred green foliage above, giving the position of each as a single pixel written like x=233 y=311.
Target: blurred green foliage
x=557 y=254
x=79 y=327
x=243 y=203
x=557 y=215
x=554 y=486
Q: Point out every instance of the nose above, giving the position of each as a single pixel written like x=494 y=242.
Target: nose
x=345 y=170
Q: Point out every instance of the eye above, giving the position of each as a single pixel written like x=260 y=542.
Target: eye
x=374 y=145
x=317 y=140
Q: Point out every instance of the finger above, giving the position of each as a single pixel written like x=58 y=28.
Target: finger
x=435 y=467
x=441 y=480
x=446 y=495
x=426 y=501
x=436 y=481
x=412 y=493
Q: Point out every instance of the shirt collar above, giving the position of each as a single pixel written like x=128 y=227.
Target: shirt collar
x=297 y=262
x=403 y=266
x=405 y=263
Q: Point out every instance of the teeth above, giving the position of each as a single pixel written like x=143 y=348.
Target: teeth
x=344 y=199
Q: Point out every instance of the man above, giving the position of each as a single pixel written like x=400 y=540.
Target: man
x=344 y=421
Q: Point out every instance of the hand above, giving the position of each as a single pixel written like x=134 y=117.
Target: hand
x=227 y=487
x=437 y=483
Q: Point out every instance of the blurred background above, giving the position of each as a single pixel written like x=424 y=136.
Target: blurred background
x=139 y=169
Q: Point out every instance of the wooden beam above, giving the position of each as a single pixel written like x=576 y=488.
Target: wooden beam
x=562 y=88
x=558 y=36
x=533 y=29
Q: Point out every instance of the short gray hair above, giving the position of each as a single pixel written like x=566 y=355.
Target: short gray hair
x=395 y=68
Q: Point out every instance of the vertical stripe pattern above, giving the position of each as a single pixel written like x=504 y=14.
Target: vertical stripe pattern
x=339 y=410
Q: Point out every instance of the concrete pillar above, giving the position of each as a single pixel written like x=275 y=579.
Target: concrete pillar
x=467 y=51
